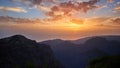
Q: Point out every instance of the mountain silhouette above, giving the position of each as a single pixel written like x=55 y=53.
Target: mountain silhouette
x=83 y=40
x=20 y=52
x=77 y=55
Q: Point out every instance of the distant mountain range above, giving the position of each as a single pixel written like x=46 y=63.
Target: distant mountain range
x=19 y=52
x=77 y=53
x=83 y=40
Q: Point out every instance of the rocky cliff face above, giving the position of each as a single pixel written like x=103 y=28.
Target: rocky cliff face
x=19 y=52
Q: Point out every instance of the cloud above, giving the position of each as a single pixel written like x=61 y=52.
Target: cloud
x=56 y=9
x=104 y=21
x=67 y=8
x=101 y=7
x=115 y=21
x=118 y=3
x=13 y=20
x=59 y=9
x=107 y=20
x=44 y=8
x=97 y=20
x=117 y=8
x=111 y=1
x=14 y=9
x=39 y=4
x=31 y=3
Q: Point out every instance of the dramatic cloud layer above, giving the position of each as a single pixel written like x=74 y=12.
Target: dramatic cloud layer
x=57 y=9
x=66 y=10
x=70 y=7
x=14 y=9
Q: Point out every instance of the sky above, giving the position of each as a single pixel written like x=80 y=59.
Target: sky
x=42 y=8
x=63 y=19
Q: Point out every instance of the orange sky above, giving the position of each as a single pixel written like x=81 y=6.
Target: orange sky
x=68 y=30
x=59 y=19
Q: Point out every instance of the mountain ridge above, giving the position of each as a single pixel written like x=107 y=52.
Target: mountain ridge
x=82 y=40
x=77 y=55
x=20 y=52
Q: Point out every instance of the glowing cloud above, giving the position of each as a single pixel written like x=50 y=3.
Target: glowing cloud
x=117 y=8
x=14 y=9
x=115 y=21
x=111 y=1
x=44 y=8
x=67 y=8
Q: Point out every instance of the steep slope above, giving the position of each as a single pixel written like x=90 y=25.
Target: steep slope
x=19 y=52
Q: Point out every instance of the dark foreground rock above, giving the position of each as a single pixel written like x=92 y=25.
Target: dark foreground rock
x=19 y=52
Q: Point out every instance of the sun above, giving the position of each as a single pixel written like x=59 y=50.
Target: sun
x=73 y=26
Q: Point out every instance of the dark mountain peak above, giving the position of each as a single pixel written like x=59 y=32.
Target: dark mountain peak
x=20 y=52
x=17 y=39
x=19 y=36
